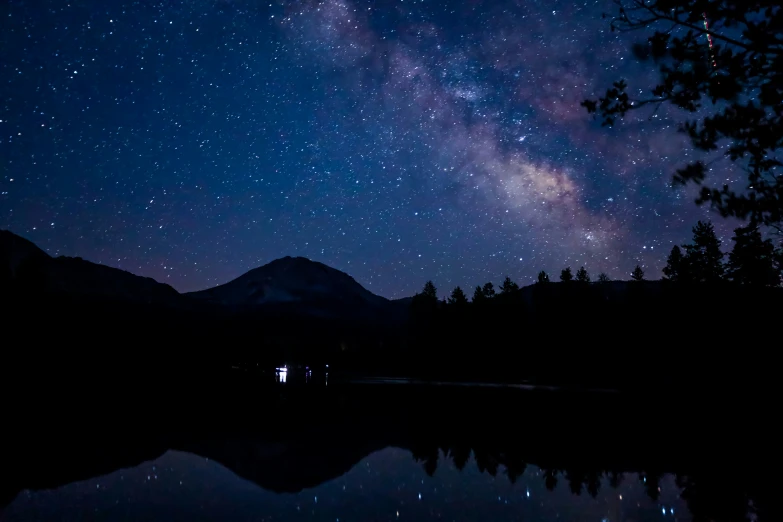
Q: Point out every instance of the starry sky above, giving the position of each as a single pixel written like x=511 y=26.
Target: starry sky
x=398 y=141
x=385 y=486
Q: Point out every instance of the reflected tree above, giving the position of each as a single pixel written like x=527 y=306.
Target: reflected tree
x=428 y=454
x=651 y=481
x=550 y=478
x=515 y=468
x=486 y=461
x=431 y=464
x=576 y=479
x=593 y=483
x=615 y=479
x=460 y=454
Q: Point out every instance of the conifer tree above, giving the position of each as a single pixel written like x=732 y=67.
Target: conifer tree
x=582 y=276
x=429 y=291
x=704 y=257
x=508 y=286
x=752 y=260
x=566 y=276
x=458 y=297
x=488 y=290
x=478 y=295
x=675 y=269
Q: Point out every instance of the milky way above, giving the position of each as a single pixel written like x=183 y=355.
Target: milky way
x=397 y=141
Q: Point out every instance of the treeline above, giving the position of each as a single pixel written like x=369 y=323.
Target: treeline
x=753 y=262
x=712 y=317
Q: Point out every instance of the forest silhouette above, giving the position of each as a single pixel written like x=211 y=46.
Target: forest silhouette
x=680 y=329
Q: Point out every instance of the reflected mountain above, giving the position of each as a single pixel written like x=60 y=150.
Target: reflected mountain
x=296 y=441
x=283 y=467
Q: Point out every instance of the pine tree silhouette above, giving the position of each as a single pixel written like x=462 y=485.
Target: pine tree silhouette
x=637 y=274
x=508 y=286
x=478 y=295
x=675 y=269
x=458 y=297
x=704 y=257
x=430 y=292
x=603 y=278
x=543 y=277
x=752 y=260
x=566 y=276
x=582 y=276
x=488 y=290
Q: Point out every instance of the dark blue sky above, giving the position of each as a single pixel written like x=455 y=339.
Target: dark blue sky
x=397 y=141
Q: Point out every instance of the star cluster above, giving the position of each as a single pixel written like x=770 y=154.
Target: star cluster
x=398 y=141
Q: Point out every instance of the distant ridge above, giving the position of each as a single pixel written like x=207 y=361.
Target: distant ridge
x=24 y=264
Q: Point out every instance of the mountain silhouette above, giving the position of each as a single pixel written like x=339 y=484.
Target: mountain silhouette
x=289 y=285
x=24 y=264
x=291 y=280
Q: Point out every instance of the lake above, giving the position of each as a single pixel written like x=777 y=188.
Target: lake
x=387 y=452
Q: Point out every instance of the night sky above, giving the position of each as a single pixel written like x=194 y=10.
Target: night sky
x=191 y=141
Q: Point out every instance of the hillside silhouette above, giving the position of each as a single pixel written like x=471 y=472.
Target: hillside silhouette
x=682 y=331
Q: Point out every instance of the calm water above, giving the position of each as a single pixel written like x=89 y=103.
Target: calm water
x=238 y=450
x=386 y=485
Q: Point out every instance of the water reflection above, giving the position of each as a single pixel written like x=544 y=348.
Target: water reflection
x=386 y=485
x=449 y=452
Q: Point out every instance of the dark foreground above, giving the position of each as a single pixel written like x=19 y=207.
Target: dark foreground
x=151 y=449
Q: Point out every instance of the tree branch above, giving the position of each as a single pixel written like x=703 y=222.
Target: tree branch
x=656 y=17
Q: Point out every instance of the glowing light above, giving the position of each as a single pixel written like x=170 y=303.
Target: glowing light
x=282 y=374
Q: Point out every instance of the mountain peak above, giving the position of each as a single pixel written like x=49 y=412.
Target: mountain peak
x=291 y=279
